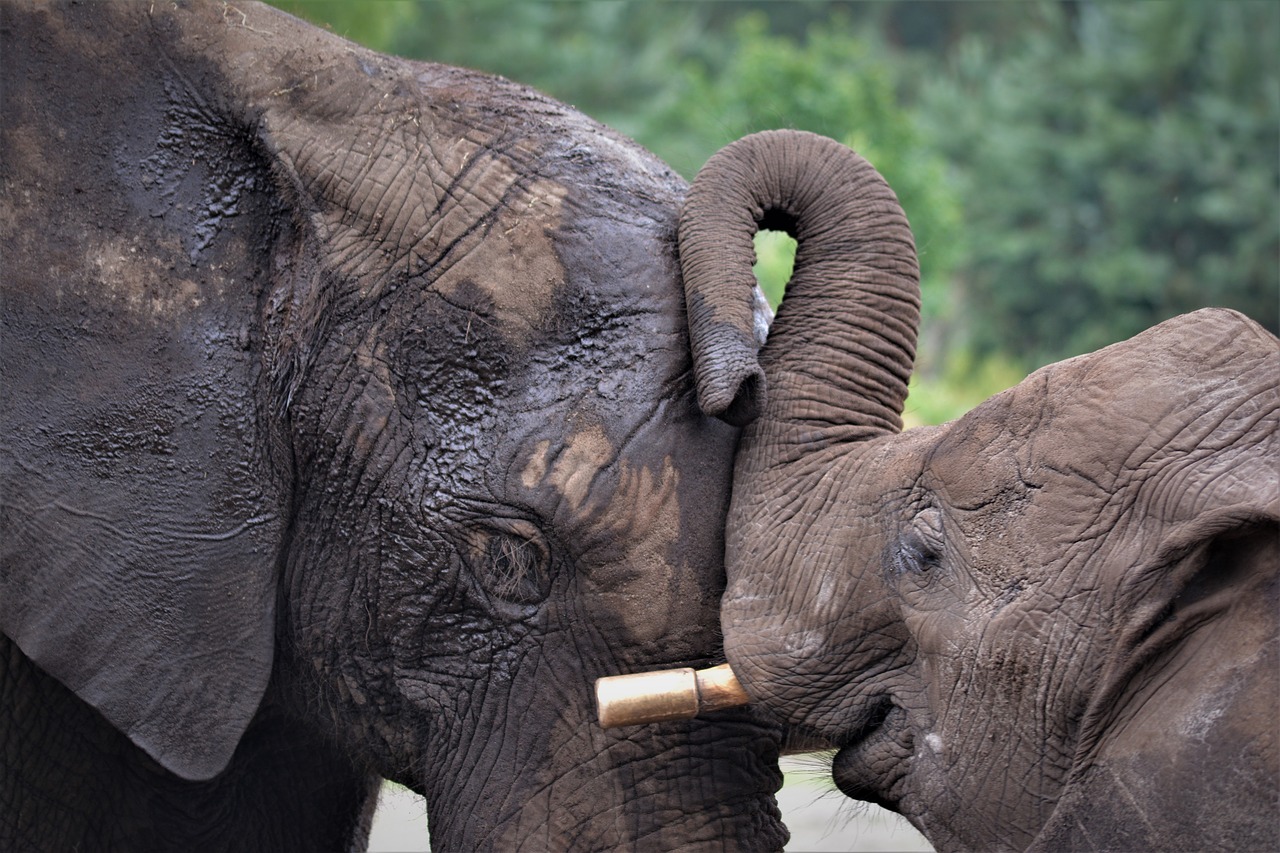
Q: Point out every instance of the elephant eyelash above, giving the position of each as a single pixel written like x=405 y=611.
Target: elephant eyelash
x=920 y=548
x=914 y=556
x=512 y=563
x=517 y=574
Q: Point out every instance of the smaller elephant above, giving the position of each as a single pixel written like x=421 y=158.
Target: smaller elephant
x=1051 y=624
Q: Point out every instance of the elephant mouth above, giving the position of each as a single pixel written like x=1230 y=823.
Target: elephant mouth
x=874 y=758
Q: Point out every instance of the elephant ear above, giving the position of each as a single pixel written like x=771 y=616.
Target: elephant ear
x=140 y=518
x=1209 y=490
x=1184 y=700
x=1198 y=547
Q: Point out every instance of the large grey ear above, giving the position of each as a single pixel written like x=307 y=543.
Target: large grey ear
x=1212 y=376
x=1190 y=580
x=1208 y=547
x=140 y=518
x=140 y=526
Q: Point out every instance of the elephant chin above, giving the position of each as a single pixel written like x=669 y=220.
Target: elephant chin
x=703 y=786
x=873 y=765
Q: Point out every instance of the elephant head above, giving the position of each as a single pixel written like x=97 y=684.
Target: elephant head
x=348 y=431
x=1049 y=624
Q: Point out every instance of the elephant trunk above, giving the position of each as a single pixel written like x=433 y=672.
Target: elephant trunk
x=837 y=362
x=841 y=349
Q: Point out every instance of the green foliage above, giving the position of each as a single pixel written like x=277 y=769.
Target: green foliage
x=1117 y=170
x=962 y=382
x=775 y=257
x=839 y=84
x=373 y=26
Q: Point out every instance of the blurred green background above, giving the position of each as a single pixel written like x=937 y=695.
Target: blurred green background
x=1074 y=172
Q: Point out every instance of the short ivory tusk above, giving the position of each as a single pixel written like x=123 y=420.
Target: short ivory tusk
x=669 y=694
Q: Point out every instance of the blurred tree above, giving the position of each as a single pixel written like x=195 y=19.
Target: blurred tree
x=835 y=82
x=1120 y=166
x=614 y=60
x=372 y=25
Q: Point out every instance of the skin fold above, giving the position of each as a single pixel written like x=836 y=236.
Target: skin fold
x=349 y=432
x=1052 y=624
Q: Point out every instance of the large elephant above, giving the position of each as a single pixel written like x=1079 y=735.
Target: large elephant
x=347 y=431
x=1050 y=624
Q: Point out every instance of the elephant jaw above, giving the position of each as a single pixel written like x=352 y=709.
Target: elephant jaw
x=701 y=786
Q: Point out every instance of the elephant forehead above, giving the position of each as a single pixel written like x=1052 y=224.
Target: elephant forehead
x=1083 y=461
x=434 y=203
x=516 y=268
x=973 y=464
x=1018 y=507
x=1077 y=428
x=1102 y=416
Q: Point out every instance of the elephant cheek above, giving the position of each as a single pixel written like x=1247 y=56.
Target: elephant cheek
x=644 y=584
x=782 y=669
x=645 y=599
x=938 y=635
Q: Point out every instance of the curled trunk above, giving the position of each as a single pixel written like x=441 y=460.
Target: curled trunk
x=841 y=349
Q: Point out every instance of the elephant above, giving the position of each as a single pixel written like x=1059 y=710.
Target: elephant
x=1051 y=624
x=348 y=433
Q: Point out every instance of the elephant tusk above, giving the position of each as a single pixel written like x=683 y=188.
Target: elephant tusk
x=669 y=694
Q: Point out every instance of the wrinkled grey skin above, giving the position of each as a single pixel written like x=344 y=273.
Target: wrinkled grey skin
x=1048 y=625
x=347 y=431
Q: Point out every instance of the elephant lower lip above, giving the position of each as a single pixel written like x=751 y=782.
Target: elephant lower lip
x=866 y=766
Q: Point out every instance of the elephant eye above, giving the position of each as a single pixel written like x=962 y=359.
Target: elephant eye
x=511 y=560
x=919 y=549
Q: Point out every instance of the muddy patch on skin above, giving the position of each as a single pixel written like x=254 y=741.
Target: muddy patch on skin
x=390 y=218
x=636 y=585
x=585 y=454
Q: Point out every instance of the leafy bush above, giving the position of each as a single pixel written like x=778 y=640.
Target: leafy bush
x=836 y=83
x=1117 y=170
